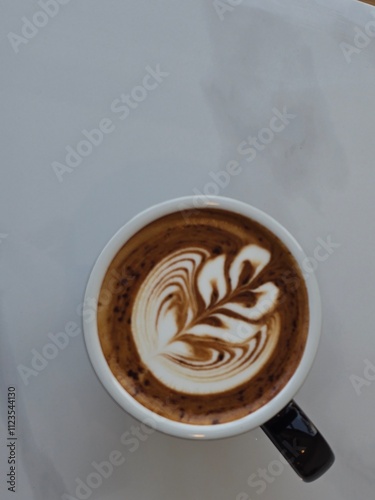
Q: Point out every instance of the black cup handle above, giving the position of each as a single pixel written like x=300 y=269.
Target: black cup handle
x=300 y=442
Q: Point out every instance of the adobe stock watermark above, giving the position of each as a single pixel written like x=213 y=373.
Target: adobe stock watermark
x=368 y=376
x=361 y=40
x=40 y=358
x=121 y=107
x=324 y=249
x=31 y=27
x=223 y=6
x=253 y=145
x=132 y=439
x=249 y=148
x=50 y=350
x=260 y=479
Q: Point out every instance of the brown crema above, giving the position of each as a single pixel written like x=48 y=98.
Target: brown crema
x=211 y=232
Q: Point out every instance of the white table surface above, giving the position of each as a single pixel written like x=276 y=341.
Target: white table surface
x=225 y=77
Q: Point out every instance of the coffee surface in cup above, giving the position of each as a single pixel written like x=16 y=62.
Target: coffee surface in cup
x=203 y=317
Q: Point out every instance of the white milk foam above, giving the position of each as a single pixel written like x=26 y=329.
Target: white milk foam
x=214 y=348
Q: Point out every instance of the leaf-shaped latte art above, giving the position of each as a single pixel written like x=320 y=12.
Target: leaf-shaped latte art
x=199 y=324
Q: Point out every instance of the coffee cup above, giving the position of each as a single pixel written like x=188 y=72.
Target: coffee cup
x=224 y=379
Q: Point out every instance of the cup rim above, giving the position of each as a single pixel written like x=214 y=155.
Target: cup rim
x=115 y=389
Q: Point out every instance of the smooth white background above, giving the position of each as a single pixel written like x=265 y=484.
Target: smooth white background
x=316 y=177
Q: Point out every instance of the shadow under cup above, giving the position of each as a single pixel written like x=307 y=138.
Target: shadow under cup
x=282 y=420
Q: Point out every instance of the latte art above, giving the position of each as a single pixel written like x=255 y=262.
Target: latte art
x=203 y=319
x=198 y=324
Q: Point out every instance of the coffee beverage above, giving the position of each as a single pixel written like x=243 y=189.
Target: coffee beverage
x=203 y=317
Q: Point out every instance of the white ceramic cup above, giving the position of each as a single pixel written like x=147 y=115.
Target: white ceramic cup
x=123 y=398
